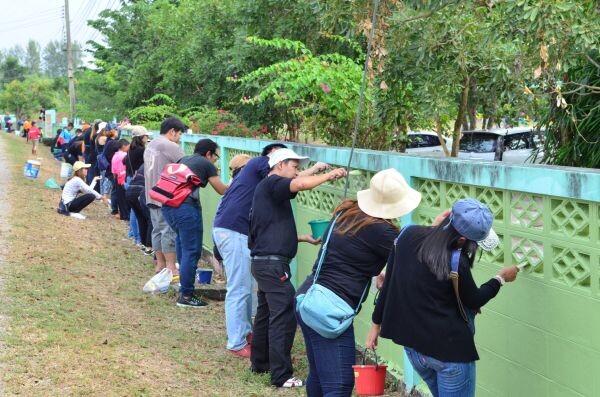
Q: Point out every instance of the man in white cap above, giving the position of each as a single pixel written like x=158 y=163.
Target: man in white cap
x=273 y=242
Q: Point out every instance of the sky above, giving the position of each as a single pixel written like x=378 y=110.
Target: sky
x=43 y=20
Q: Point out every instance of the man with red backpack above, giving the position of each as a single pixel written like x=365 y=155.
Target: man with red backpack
x=162 y=150
x=186 y=219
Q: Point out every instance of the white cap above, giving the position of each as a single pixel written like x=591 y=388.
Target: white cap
x=280 y=155
x=101 y=126
x=490 y=242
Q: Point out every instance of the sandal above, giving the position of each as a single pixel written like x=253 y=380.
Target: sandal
x=293 y=382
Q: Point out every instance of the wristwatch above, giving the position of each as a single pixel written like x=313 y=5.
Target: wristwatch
x=500 y=279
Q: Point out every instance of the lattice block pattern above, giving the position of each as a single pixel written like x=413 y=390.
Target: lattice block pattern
x=494 y=199
x=423 y=218
x=570 y=218
x=571 y=267
x=318 y=200
x=529 y=254
x=455 y=192
x=496 y=256
x=430 y=191
x=188 y=147
x=527 y=210
x=231 y=153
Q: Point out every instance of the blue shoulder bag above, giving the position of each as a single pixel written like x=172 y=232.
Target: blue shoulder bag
x=321 y=308
x=467 y=314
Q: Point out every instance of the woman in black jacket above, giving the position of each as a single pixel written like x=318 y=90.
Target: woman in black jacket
x=418 y=307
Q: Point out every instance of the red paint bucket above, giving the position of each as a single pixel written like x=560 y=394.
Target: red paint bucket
x=369 y=379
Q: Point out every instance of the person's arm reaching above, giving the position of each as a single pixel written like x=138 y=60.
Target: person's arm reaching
x=315 y=169
x=310 y=182
x=217 y=184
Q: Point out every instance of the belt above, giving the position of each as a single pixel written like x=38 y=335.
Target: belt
x=271 y=258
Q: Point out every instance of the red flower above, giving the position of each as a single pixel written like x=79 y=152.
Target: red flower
x=214 y=132
x=325 y=87
x=263 y=129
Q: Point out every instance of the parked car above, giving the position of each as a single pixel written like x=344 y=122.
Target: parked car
x=510 y=145
x=426 y=142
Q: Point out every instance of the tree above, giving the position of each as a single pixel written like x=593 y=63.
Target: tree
x=27 y=96
x=11 y=70
x=33 y=57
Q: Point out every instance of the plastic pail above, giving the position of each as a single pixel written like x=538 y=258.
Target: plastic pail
x=32 y=168
x=66 y=170
x=205 y=276
x=318 y=227
x=370 y=379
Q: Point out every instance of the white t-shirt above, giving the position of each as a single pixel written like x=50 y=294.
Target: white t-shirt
x=73 y=187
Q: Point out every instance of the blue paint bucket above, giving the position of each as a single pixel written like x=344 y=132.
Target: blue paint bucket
x=32 y=168
x=318 y=227
x=204 y=276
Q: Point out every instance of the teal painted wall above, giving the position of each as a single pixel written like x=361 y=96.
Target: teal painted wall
x=540 y=336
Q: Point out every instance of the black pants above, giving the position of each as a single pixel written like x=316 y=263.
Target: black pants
x=81 y=202
x=122 y=202
x=142 y=214
x=275 y=322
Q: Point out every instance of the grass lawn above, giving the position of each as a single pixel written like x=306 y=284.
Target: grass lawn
x=75 y=320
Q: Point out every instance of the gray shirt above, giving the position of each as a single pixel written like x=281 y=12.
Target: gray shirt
x=159 y=152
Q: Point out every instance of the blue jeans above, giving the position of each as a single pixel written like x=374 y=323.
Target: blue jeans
x=445 y=379
x=233 y=247
x=186 y=221
x=330 y=362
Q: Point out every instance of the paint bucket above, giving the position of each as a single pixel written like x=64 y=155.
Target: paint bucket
x=369 y=379
x=66 y=170
x=32 y=168
x=318 y=227
x=204 y=276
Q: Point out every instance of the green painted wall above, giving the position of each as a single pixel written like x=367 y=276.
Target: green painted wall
x=541 y=335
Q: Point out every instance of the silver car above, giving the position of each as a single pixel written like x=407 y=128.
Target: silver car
x=510 y=145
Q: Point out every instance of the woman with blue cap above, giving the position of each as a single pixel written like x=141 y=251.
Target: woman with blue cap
x=429 y=297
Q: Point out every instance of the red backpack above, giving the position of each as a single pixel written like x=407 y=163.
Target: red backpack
x=176 y=182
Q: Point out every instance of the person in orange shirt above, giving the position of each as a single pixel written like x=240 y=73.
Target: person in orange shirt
x=34 y=134
x=26 y=127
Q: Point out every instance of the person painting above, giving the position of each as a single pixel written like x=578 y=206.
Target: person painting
x=230 y=234
x=418 y=307
x=186 y=220
x=71 y=203
x=273 y=242
x=357 y=250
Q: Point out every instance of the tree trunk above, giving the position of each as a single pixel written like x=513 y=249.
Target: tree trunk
x=462 y=106
x=472 y=104
x=438 y=131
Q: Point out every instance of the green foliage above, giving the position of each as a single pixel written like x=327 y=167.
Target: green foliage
x=221 y=122
x=27 y=96
x=155 y=110
x=324 y=88
x=573 y=122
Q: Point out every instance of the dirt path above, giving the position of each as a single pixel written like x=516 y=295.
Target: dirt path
x=4 y=227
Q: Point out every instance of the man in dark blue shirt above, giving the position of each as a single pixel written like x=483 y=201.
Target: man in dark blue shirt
x=273 y=242
x=230 y=233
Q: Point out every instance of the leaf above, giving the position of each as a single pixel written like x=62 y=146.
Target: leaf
x=537 y=72
x=383 y=85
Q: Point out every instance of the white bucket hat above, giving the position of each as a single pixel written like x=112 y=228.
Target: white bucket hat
x=280 y=155
x=389 y=196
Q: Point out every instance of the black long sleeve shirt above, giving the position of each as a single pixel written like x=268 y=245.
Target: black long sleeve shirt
x=416 y=310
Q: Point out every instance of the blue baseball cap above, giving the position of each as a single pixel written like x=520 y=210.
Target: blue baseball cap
x=472 y=219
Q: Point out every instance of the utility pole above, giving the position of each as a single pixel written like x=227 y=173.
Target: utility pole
x=70 y=75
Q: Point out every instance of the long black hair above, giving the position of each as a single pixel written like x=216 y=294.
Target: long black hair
x=435 y=250
x=137 y=141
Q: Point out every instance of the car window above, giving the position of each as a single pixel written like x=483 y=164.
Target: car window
x=517 y=141
x=478 y=142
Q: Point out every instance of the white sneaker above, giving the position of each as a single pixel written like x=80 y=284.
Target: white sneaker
x=77 y=215
x=293 y=382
